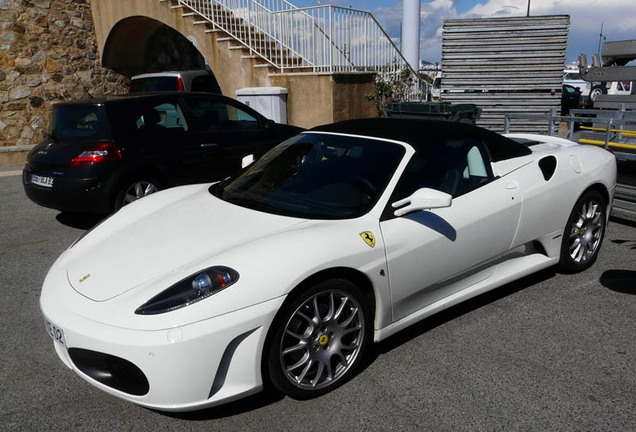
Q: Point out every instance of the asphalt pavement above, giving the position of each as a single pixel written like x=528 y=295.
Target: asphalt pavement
x=551 y=352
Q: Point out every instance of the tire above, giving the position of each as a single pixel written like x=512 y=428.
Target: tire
x=597 y=91
x=318 y=339
x=135 y=190
x=584 y=232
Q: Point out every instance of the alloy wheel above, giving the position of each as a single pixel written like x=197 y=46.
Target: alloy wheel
x=586 y=231
x=138 y=190
x=322 y=340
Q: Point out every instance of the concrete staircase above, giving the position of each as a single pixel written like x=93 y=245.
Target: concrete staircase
x=222 y=24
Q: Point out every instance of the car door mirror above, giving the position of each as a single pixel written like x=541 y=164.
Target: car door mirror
x=247 y=160
x=269 y=124
x=422 y=199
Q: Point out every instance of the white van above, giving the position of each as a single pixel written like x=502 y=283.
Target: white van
x=610 y=88
x=571 y=77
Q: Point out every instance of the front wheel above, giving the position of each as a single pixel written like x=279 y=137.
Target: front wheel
x=319 y=339
x=583 y=233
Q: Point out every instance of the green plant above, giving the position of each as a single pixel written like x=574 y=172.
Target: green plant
x=391 y=87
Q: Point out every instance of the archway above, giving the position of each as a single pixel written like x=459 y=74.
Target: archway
x=139 y=44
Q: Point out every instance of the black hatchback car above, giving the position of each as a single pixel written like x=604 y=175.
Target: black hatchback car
x=103 y=153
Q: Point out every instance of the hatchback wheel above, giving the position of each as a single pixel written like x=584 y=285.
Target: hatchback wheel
x=319 y=339
x=136 y=190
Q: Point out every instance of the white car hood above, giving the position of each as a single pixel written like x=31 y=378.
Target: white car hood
x=121 y=255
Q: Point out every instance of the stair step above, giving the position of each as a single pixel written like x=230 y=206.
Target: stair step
x=241 y=32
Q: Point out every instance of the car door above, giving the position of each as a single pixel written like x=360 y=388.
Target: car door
x=225 y=131
x=433 y=254
x=156 y=133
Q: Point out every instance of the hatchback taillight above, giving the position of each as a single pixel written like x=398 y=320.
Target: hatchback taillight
x=180 y=86
x=100 y=152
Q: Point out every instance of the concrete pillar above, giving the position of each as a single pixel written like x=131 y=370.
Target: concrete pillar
x=411 y=32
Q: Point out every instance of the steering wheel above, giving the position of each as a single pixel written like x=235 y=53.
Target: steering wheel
x=364 y=185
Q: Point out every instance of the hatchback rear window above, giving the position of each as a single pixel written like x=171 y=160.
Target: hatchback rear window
x=154 y=84
x=79 y=122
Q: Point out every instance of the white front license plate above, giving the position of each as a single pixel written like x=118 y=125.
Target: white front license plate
x=42 y=180
x=56 y=333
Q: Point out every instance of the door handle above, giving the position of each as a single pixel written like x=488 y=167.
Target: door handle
x=206 y=145
x=512 y=185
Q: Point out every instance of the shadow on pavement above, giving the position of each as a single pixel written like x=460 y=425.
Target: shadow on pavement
x=628 y=243
x=622 y=281
x=83 y=221
x=250 y=403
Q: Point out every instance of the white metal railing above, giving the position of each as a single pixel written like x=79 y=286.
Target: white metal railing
x=324 y=38
x=607 y=128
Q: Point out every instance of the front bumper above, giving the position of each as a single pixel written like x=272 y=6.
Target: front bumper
x=187 y=367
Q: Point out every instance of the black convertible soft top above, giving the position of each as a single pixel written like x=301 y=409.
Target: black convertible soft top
x=419 y=133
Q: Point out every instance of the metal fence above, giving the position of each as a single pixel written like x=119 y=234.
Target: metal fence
x=323 y=38
x=505 y=65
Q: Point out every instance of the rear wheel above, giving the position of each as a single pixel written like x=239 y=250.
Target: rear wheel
x=319 y=339
x=136 y=190
x=583 y=233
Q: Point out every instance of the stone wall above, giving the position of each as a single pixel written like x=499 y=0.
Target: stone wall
x=48 y=53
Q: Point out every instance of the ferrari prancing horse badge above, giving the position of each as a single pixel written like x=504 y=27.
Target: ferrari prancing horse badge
x=368 y=237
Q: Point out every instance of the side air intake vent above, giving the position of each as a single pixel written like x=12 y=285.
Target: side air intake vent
x=112 y=371
x=548 y=166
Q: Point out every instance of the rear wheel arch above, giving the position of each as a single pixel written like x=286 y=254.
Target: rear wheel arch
x=601 y=189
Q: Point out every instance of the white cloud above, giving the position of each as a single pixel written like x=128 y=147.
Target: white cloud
x=586 y=17
x=432 y=16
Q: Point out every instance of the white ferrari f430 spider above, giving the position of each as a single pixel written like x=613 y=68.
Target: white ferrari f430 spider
x=337 y=238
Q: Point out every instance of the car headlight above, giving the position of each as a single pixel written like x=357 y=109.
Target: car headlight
x=190 y=290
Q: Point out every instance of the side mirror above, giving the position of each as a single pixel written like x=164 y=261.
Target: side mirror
x=269 y=124
x=422 y=199
x=247 y=160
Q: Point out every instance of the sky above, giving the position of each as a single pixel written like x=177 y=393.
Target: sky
x=618 y=18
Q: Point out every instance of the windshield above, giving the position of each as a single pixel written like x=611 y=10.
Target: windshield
x=317 y=176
